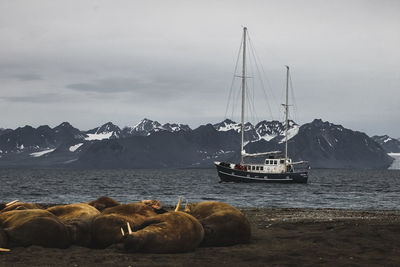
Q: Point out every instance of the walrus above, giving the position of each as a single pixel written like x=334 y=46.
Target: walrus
x=4 y=205
x=223 y=224
x=16 y=205
x=74 y=211
x=3 y=239
x=34 y=227
x=170 y=232
x=103 y=202
x=78 y=218
x=155 y=204
x=106 y=227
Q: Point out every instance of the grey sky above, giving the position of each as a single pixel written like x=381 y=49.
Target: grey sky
x=89 y=62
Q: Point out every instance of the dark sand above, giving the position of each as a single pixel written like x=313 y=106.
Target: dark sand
x=280 y=237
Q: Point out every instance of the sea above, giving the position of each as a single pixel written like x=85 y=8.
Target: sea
x=327 y=188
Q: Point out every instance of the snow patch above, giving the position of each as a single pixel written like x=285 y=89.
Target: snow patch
x=329 y=143
x=236 y=127
x=41 y=153
x=99 y=136
x=396 y=163
x=70 y=161
x=267 y=137
x=292 y=132
x=387 y=140
x=75 y=147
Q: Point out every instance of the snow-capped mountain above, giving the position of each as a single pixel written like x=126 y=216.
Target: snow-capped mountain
x=175 y=127
x=66 y=132
x=146 y=127
x=266 y=130
x=27 y=142
x=227 y=125
x=150 y=144
x=391 y=145
x=27 y=138
x=106 y=131
x=328 y=145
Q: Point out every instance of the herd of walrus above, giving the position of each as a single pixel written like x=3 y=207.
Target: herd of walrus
x=143 y=226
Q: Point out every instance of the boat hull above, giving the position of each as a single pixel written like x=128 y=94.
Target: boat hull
x=227 y=174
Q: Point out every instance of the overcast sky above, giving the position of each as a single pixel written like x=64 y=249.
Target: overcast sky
x=89 y=62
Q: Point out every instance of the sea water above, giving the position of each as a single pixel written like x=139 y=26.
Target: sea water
x=327 y=188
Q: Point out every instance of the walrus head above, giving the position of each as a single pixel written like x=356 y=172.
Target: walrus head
x=3 y=206
x=187 y=208
x=155 y=204
x=129 y=240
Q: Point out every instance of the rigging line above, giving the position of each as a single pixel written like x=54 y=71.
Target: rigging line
x=251 y=107
x=263 y=88
x=250 y=89
x=295 y=117
x=250 y=92
x=233 y=78
x=257 y=63
x=237 y=99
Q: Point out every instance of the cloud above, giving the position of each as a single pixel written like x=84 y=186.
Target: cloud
x=27 y=77
x=141 y=86
x=38 y=98
x=106 y=86
x=180 y=65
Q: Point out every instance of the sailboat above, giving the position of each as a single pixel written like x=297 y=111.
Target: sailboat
x=275 y=168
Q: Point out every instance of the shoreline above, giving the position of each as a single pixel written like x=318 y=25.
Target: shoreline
x=280 y=236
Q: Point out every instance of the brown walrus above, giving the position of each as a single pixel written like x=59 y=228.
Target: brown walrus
x=170 y=232
x=223 y=224
x=78 y=217
x=34 y=227
x=16 y=205
x=3 y=238
x=103 y=202
x=106 y=227
x=74 y=211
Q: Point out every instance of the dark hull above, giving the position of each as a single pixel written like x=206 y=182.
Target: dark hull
x=227 y=174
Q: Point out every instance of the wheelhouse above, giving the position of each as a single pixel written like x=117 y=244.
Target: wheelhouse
x=271 y=165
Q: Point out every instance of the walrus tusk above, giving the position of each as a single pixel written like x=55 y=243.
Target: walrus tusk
x=179 y=204
x=187 y=206
x=4 y=249
x=122 y=232
x=129 y=228
x=12 y=202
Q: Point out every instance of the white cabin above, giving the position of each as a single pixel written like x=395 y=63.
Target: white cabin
x=276 y=165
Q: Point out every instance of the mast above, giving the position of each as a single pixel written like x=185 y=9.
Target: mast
x=243 y=91
x=287 y=114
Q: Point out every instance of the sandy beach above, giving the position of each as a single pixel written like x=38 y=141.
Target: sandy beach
x=280 y=237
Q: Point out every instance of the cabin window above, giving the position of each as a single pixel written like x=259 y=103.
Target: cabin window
x=282 y=161
x=257 y=168
x=261 y=168
x=267 y=162
x=275 y=162
x=253 y=168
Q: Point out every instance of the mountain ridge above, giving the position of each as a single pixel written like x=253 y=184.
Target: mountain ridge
x=150 y=144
